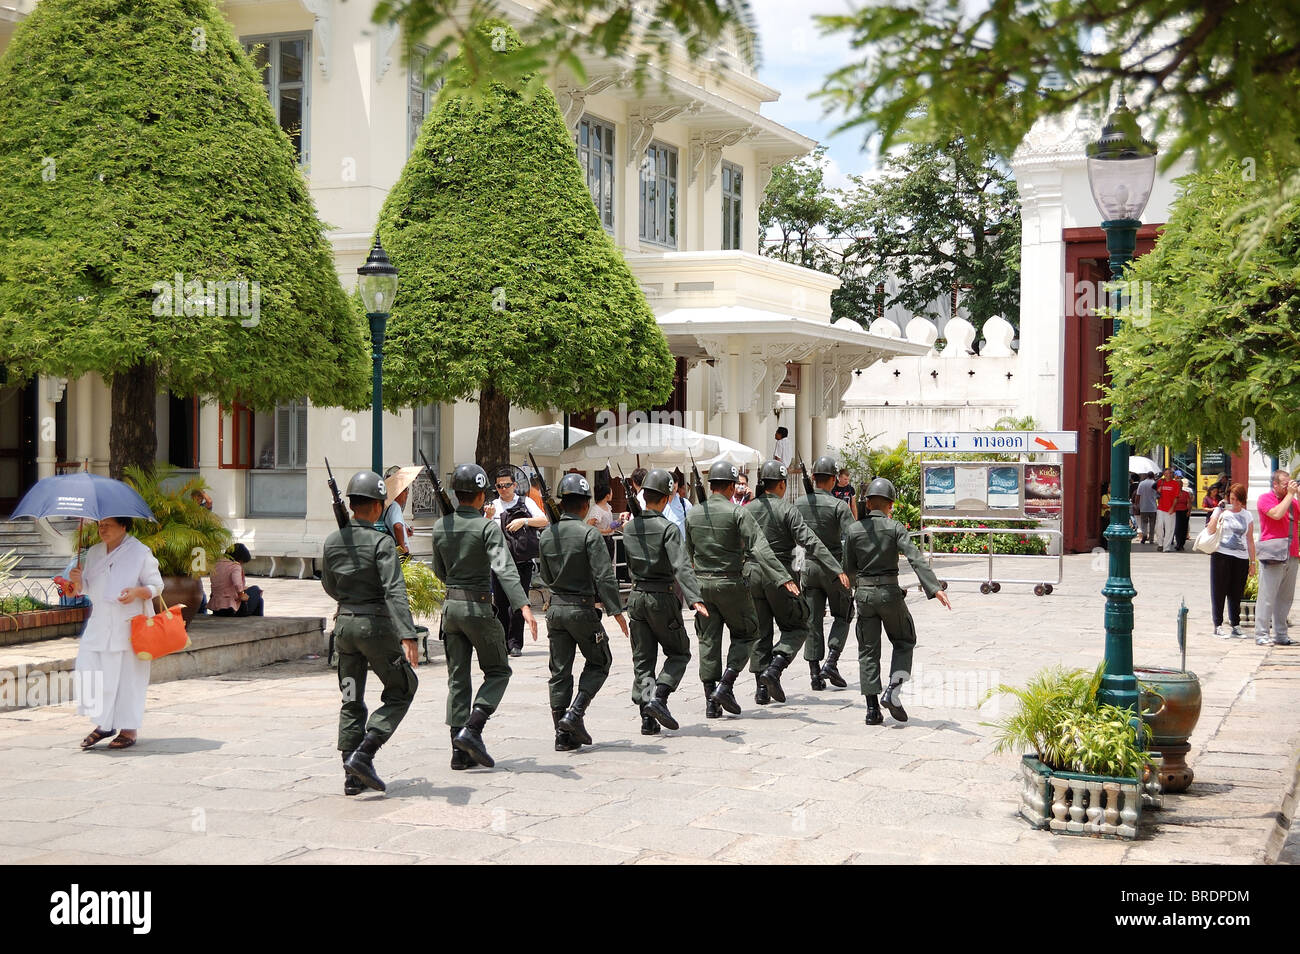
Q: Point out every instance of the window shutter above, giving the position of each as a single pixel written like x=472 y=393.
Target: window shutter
x=300 y=425
x=283 y=436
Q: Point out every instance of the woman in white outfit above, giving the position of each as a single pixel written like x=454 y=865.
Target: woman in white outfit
x=121 y=579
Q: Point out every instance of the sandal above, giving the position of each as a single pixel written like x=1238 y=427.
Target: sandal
x=121 y=742
x=96 y=737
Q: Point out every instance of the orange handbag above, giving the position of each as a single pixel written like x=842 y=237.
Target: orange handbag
x=162 y=634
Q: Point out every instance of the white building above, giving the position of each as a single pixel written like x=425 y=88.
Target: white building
x=742 y=326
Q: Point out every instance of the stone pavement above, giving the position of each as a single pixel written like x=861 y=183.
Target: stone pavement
x=241 y=767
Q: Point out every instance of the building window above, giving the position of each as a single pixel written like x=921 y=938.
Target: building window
x=596 y=156
x=659 y=195
x=283 y=62
x=731 y=208
x=426 y=439
x=420 y=95
x=290 y=436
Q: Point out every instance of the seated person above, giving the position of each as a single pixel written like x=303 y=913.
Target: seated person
x=230 y=595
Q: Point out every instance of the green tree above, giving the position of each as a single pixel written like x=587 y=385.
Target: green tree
x=1209 y=348
x=154 y=225
x=511 y=289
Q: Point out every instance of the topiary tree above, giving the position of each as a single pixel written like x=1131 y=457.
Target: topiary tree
x=511 y=290
x=154 y=225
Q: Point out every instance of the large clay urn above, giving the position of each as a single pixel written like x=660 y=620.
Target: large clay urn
x=183 y=589
x=1171 y=704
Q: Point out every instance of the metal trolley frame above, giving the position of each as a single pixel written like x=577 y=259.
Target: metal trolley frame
x=989 y=583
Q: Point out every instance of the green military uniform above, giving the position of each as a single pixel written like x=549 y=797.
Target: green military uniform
x=871 y=551
x=575 y=564
x=719 y=535
x=362 y=571
x=467 y=550
x=656 y=556
x=829 y=518
x=784 y=528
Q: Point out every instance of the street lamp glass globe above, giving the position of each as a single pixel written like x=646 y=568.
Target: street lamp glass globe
x=377 y=282
x=1121 y=167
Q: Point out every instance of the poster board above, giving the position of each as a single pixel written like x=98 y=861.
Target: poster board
x=994 y=490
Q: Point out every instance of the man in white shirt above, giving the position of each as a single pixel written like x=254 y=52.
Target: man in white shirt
x=676 y=507
x=521 y=520
x=781 y=450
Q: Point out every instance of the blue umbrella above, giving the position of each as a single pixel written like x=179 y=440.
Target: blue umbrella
x=84 y=495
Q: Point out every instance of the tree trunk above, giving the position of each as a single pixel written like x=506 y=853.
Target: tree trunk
x=493 y=448
x=133 y=434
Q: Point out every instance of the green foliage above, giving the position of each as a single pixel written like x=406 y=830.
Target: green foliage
x=9 y=605
x=1023 y=541
x=1217 y=359
x=943 y=214
x=136 y=143
x=897 y=464
x=1061 y=721
x=508 y=278
x=423 y=588
x=1251 y=591
x=187 y=538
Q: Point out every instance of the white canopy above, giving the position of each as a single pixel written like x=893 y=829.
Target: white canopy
x=545 y=441
x=655 y=445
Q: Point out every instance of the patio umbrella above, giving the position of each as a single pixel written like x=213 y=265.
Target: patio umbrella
x=83 y=495
x=1143 y=465
x=544 y=441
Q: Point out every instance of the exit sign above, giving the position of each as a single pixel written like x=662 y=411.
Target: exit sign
x=993 y=442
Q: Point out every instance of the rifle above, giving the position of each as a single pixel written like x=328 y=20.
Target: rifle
x=633 y=504
x=340 y=511
x=443 y=500
x=697 y=483
x=552 y=512
x=808 y=487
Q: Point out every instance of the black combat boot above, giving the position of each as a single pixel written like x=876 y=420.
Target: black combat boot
x=831 y=672
x=723 y=695
x=470 y=739
x=649 y=724
x=873 y=711
x=760 y=691
x=658 y=707
x=815 y=679
x=350 y=785
x=361 y=763
x=459 y=760
x=771 y=676
x=711 y=709
x=571 y=722
x=892 y=700
x=564 y=742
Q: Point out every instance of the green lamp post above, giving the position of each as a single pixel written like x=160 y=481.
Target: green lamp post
x=378 y=286
x=1121 y=172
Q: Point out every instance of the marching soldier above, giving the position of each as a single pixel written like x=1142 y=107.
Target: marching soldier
x=573 y=563
x=871 y=551
x=467 y=550
x=719 y=537
x=830 y=518
x=656 y=555
x=373 y=629
x=784 y=527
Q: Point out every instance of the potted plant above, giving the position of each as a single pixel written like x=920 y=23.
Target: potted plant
x=1087 y=773
x=187 y=538
x=426 y=594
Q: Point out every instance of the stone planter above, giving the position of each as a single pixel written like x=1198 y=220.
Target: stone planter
x=34 y=625
x=183 y=589
x=1247 y=613
x=1173 y=700
x=1069 y=803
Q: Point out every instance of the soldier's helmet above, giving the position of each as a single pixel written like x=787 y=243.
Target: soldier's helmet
x=773 y=470
x=468 y=479
x=368 y=484
x=660 y=481
x=722 y=471
x=824 y=467
x=575 y=485
x=881 y=487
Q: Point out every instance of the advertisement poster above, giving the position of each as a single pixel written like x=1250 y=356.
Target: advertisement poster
x=971 y=489
x=940 y=488
x=1043 y=490
x=1004 y=488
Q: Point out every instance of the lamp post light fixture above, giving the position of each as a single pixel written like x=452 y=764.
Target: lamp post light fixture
x=1121 y=172
x=378 y=286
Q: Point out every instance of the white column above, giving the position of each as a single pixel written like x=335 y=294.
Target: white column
x=102 y=408
x=81 y=417
x=45 y=456
x=818 y=440
x=803 y=414
x=751 y=432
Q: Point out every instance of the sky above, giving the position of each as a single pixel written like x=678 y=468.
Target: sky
x=796 y=61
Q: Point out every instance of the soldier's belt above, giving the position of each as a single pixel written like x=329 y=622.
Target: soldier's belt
x=722 y=575
x=878 y=578
x=470 y=596
x=363 y=610
x=572 y=599
x=652 y=587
